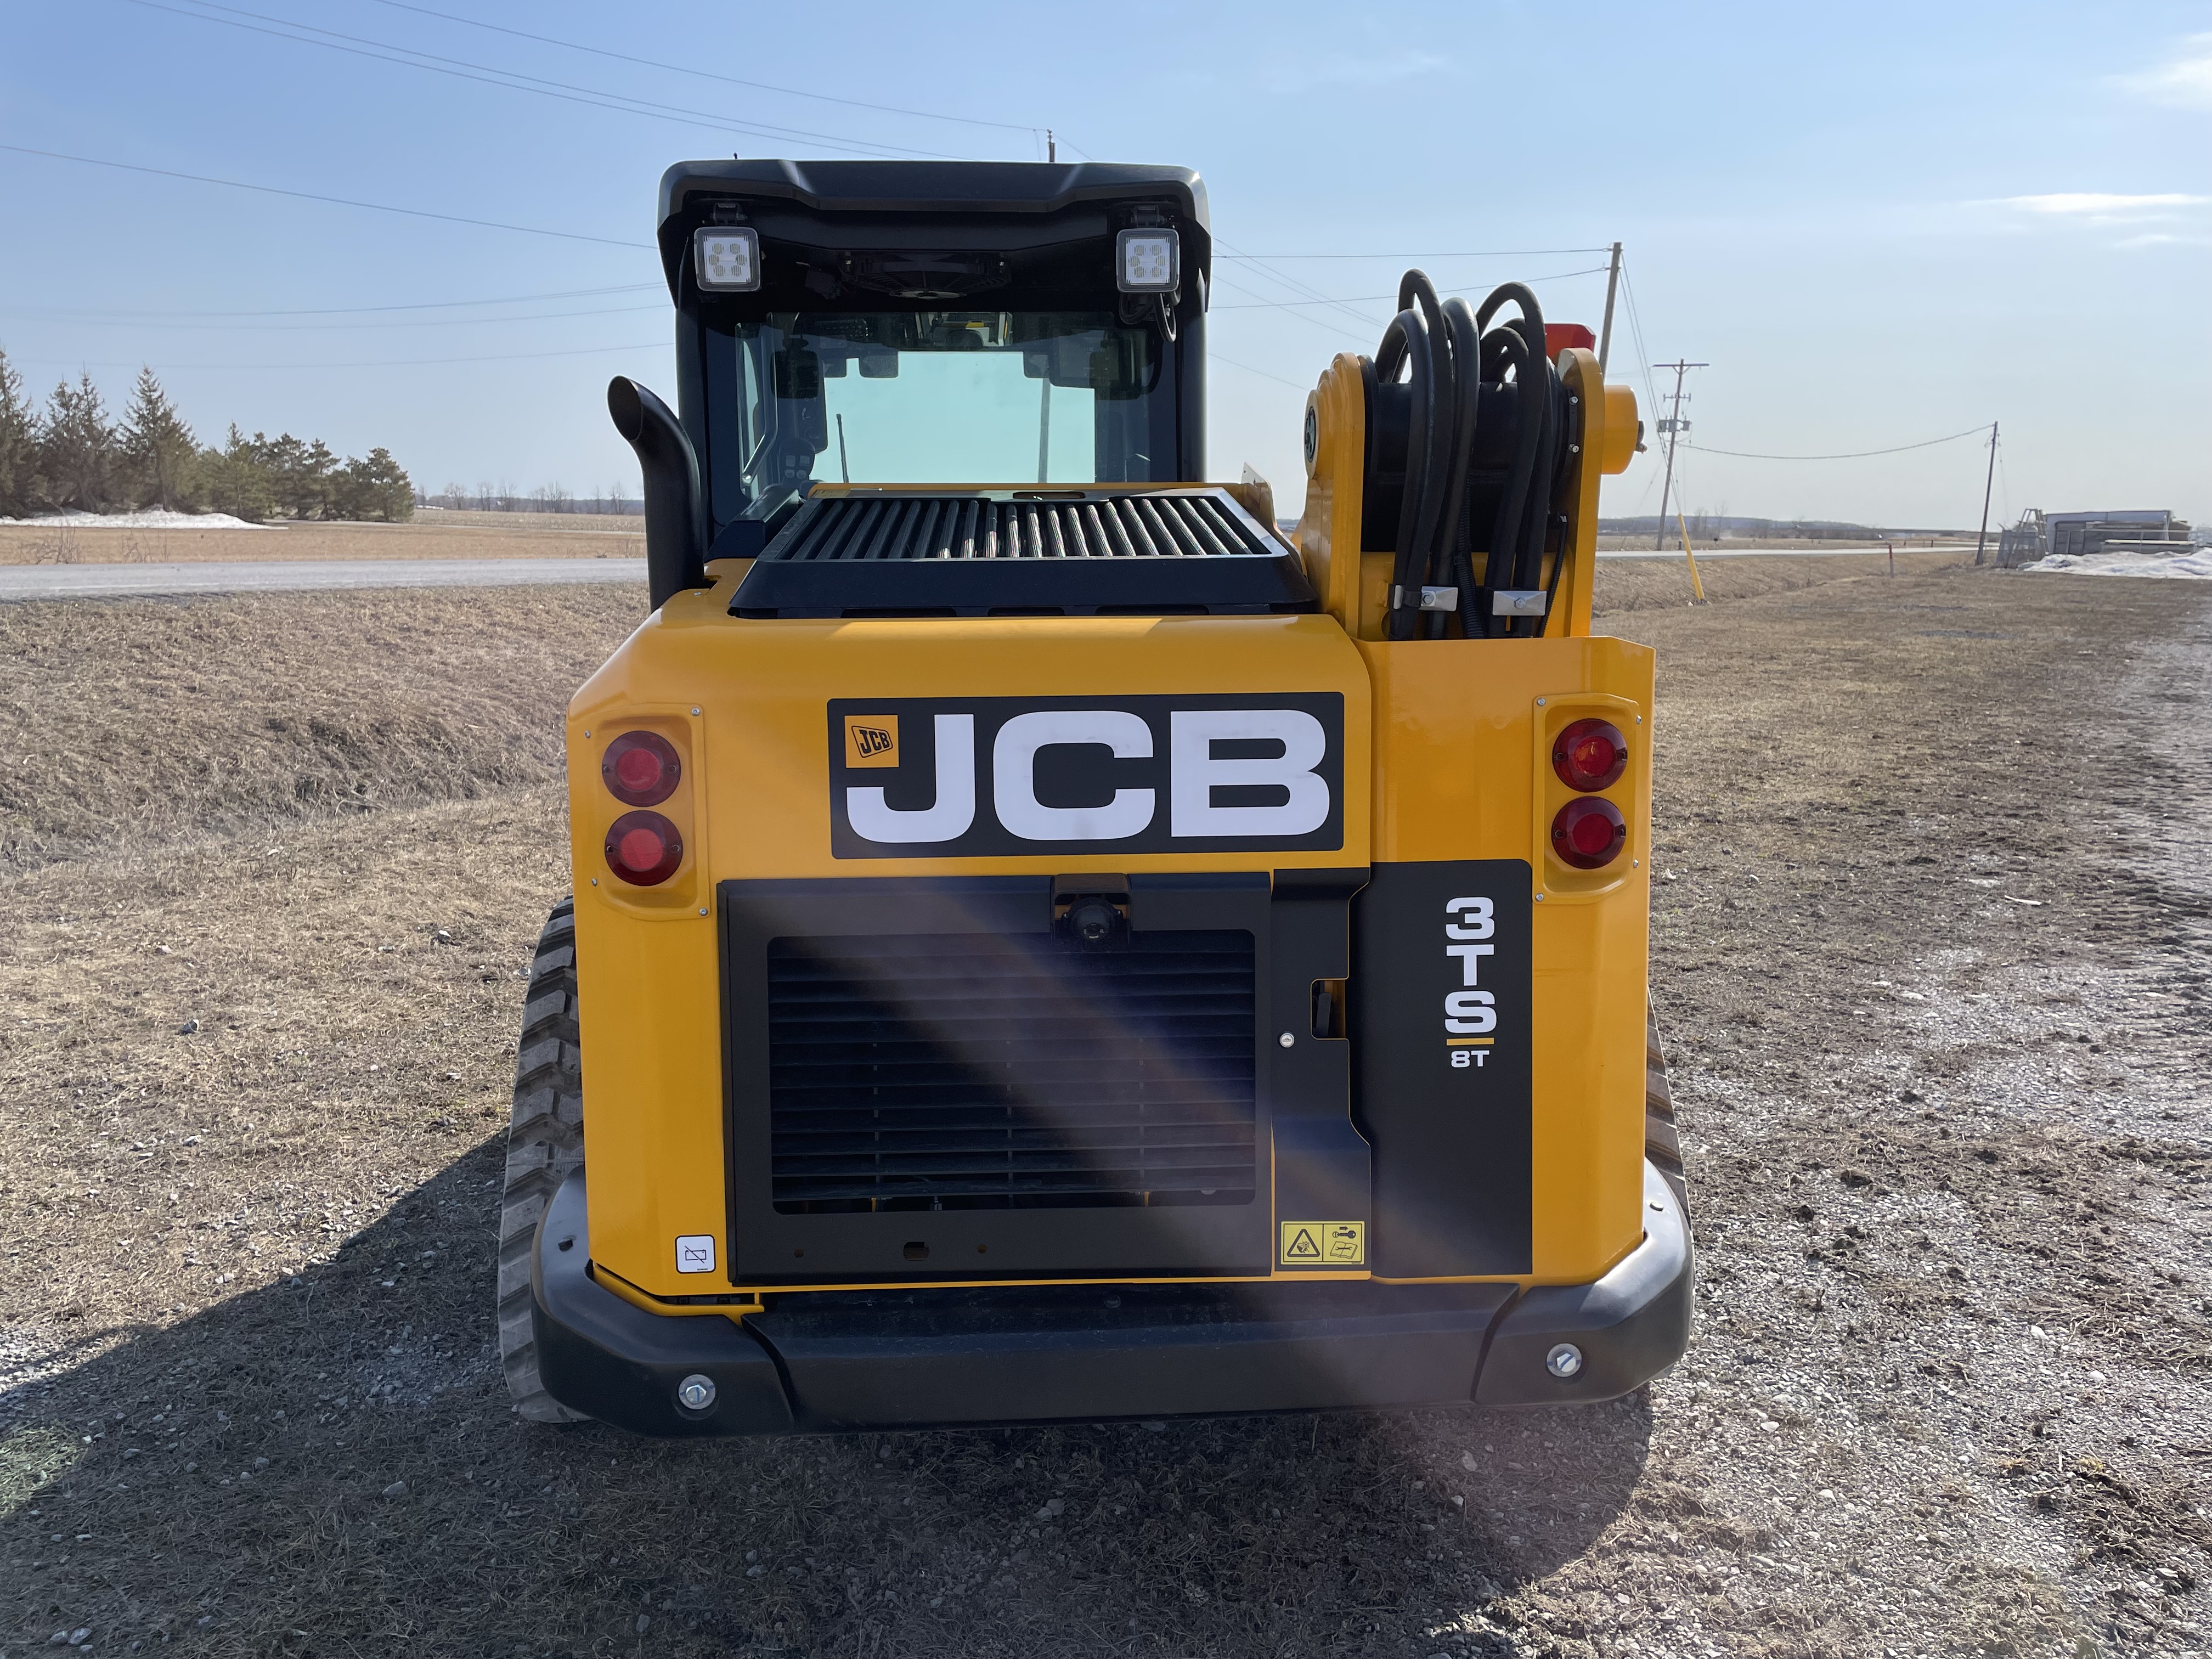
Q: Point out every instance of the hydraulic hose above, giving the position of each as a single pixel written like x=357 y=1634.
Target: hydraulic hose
x=1446 y=352
x=1408 y=342
x=1438 y=343
x=1516 y=556
x=1505 y=349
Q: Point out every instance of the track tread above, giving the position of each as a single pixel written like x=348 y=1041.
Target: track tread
x=1663 y=1140
x=545 y=1146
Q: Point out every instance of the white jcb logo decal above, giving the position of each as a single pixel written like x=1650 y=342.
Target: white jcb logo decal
x=1195 y=773
x=955 y=808
x=1470 y=1014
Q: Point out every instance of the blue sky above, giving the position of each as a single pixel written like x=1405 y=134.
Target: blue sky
x=1879 y=223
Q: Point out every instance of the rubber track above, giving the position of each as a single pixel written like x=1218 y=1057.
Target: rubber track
x=1662 y=1143
x=544 y=1146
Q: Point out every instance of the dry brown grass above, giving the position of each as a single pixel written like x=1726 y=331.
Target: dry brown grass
x=250 y=1266
x=126 y=724
x=445 y=535
x=1661 y=584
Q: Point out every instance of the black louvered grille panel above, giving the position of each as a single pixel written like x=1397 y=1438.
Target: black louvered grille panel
x=989 y=1071
x=1193 y=524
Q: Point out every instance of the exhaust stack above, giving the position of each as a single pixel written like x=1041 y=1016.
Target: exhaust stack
x=674 y=507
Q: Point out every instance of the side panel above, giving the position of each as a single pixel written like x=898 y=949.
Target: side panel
x=1440 y=1021
x=1461 y=772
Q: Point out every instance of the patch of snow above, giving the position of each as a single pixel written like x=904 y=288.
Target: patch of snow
x=153 y=519
x=2188 y=566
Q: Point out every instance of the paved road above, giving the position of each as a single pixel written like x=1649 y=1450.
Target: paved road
x=108 y=582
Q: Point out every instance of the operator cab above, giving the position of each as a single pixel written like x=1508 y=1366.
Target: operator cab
x=932 y=323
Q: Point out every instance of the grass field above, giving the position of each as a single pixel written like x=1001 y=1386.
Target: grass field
x=432 y=536
x=1930 y=933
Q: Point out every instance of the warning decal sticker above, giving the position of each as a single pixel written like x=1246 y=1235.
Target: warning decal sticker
x=1324 y=1244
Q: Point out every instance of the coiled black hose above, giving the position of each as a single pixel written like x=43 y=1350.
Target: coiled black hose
x=1444 y=349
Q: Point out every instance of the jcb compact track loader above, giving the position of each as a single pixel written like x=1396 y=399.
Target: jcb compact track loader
x=1044 y=947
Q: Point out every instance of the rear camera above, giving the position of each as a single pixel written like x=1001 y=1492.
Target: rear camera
x=640 y=768
x=1589 y=833
x=1589 y=755
x=644 y=848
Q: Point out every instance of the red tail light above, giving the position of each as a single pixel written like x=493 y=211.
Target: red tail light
x=1589 y=755
x=644 y=848
x=1589 y=833
x=640 y=769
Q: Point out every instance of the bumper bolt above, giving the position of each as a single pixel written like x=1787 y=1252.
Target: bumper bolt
x=1564 y=1361
x=696 y=1393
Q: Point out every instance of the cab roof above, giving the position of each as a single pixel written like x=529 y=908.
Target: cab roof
x=960 y=189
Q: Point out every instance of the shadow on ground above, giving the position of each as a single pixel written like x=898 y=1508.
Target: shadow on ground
x=328 y=1465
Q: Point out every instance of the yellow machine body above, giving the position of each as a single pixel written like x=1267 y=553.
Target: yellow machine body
x=1446 y=750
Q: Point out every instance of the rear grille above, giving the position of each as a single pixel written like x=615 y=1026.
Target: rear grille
x=989 y=1071
x=1180 y=524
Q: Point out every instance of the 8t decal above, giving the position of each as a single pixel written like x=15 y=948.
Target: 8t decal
x=1471 y=1013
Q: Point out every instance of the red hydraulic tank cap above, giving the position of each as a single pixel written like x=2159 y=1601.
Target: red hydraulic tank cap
x=644 y=848
x=1589 y=832
x=1589 y=755
x=640 y=768
x=1559 y=336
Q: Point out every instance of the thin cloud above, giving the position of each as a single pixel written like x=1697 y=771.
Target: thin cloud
x=2097 y=207
x=2186 y=81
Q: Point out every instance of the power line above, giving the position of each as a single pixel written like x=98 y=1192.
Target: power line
x=311 y=196
x=1333 y=327
x=320 y=328
x=514 y=80
x=1216 y=358
x=1853 y=455
x=375 y=362
x=1672 y=427
x=1490 y=253
x=1365 y=298
x=1293 y=283
x=355 y=311
x=710 y=75
x=1636 y=328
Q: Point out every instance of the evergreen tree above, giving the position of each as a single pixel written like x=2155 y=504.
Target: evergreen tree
x=158 y=448
x=234 y=481
x=77 y=449
x=19 y=444
x=376 y=488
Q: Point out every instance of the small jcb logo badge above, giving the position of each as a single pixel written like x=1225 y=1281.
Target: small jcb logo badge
x=872 y=740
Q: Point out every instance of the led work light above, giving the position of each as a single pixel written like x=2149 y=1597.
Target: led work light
x=1147 y=261
x=727 y=258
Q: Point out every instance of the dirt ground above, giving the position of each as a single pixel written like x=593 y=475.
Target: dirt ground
x=1664 y=584
x=1932 y=941
x=454 y=535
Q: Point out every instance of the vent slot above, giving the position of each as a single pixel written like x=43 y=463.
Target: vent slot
x=1167 y=524
x=993 y=1071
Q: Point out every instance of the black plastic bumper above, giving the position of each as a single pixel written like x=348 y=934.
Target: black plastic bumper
x=839 y=1360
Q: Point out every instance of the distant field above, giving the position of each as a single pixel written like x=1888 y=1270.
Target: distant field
x=433 y=536
x=1661 y=583
x=1622 y=584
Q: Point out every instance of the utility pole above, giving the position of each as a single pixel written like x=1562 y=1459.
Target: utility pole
x=1051 y=146
x=1673 y=426
x=1986 y=485
x=1605 y=334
